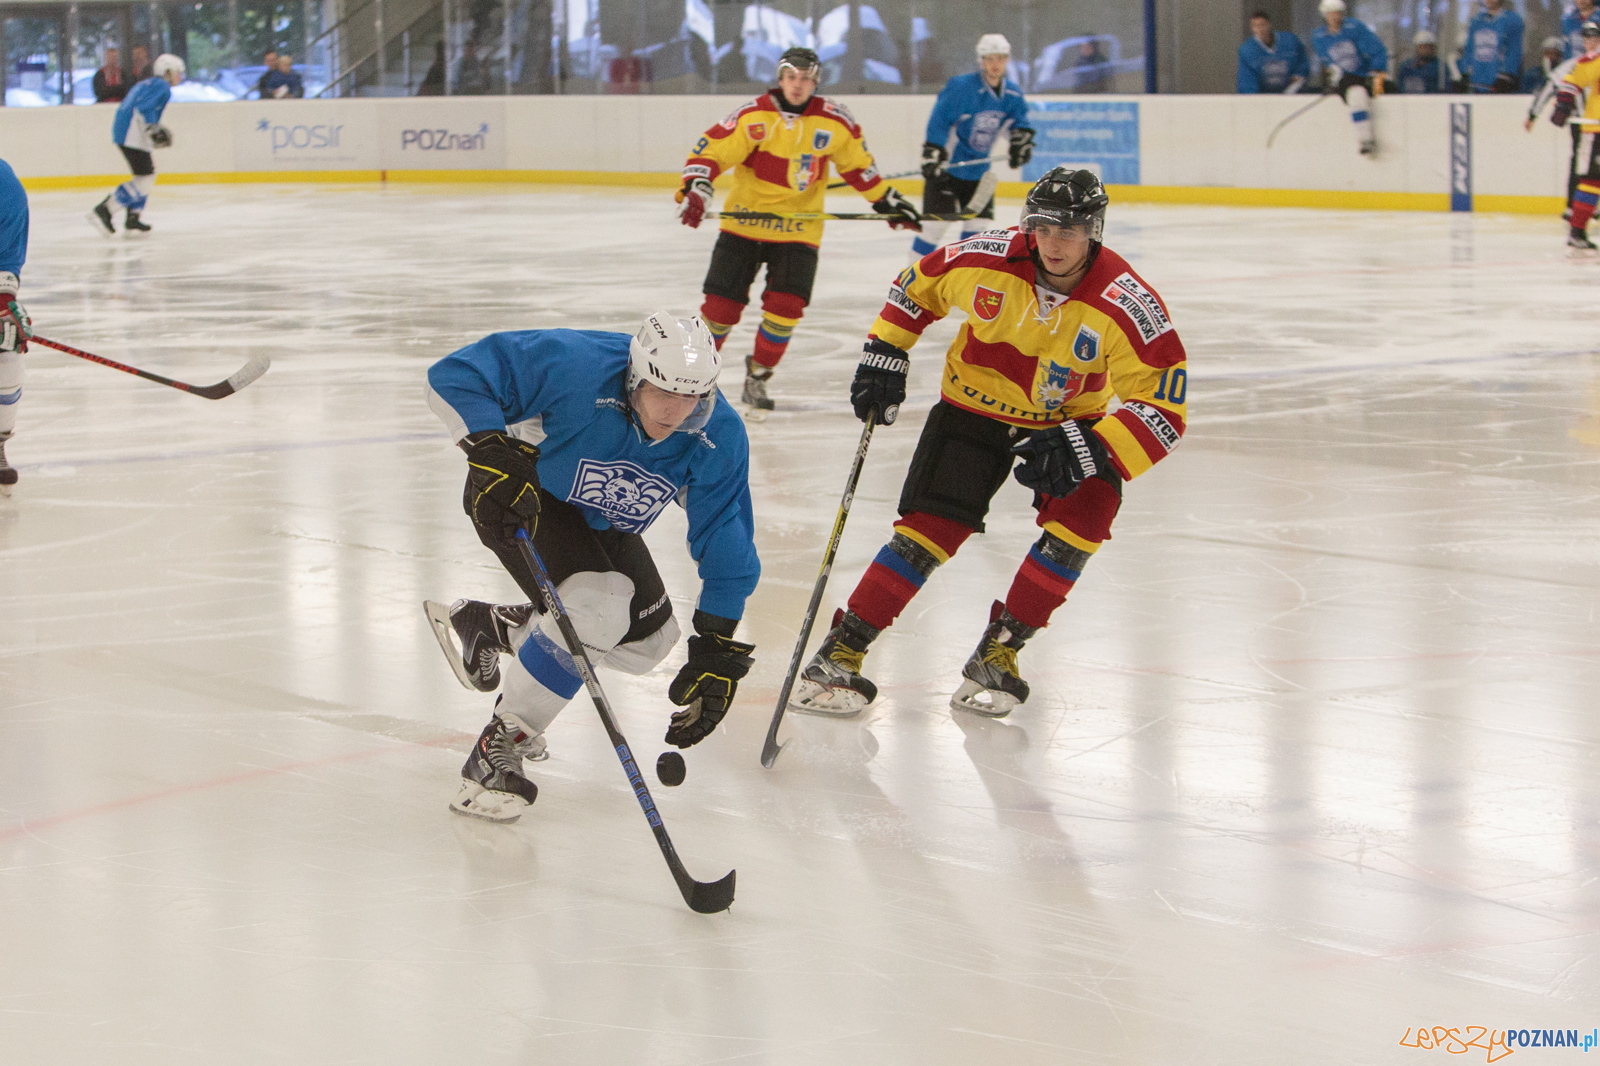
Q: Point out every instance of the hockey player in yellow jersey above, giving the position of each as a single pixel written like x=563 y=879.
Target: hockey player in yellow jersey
x=1581 y=84
x=1056 y=326
x=778 y=146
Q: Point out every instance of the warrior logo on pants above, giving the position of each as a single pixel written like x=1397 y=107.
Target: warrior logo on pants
x=628 y=496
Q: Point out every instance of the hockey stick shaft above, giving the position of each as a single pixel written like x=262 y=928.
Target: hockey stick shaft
x=770 y=748
x=1275 y=130
x=243 y=376
x=918 y=172
x=704 y=897
x=821 y=216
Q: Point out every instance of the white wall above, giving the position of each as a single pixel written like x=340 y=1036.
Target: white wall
x=1207 y=141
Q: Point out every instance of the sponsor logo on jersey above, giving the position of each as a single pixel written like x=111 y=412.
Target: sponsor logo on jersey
x=697 y=170
x=758 y=131
x=820 y=140
x=1140 y=305
x=839 y=111
x=1158 y=426
x=980 y=244
x=898 y=297
x=1058 y=385
x=987 y=302
x=629 y=496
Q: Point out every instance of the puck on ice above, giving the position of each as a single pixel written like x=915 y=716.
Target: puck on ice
x=670 y=769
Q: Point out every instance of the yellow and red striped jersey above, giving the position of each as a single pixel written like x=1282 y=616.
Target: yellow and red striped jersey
x=1581 y=82
x=1030 y=356
x=780 y=164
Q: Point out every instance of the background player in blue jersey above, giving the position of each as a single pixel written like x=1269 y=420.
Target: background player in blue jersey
x=14 y=324
x=1424 y=72
x=972 y=112
x=1354 y=64
x=1492 y=57
x=137 y=129
x=1271 y=61
x=1572 y=21
x=583 y=438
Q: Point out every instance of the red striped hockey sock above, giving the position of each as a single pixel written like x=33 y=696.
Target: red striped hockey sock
x=921 y=543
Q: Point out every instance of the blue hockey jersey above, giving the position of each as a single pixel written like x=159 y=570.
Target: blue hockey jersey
x=1493 y=47
x=1270 y=70
x=563 y=390
x=969 y=116
x=1415 y=76
x=1572 y=30
x=1355 y=49
x=13 y=228
x=139 y=110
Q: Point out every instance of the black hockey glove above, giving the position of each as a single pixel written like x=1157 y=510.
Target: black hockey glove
x=1021 y=147
x=880 y=385
x=1503 y=83
x=502 y=493
x=933 y=157
x=15 y=325
x=902 y=214
x=160 y=136
x=1057 y=460
x=1566 y=104
x=706 y=685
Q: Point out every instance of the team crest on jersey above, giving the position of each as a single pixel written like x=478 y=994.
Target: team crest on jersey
x=629 y=496
x=1058 y=385
x=820 y=140
x=807 y=172
x=987 y=302
x=1086 y=345
x=758 y=131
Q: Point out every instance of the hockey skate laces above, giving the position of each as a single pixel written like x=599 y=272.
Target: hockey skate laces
x=1001 y=656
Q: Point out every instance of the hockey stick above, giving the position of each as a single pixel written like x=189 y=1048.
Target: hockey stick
x=822 y=216
x=771 y=748
x=257 y=366
x=701 y=896
x=918 y=172
x=1274 y=134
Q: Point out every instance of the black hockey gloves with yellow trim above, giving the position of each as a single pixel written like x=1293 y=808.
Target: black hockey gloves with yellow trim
x=706 y=685
x=880 y=385
x=901 y=213
x=1021 y=148
x=502 y=493
x=1057 y=460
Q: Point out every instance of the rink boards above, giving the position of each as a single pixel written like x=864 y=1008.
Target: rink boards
x=1191 y=149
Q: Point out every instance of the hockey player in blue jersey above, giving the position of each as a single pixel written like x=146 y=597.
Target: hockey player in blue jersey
x=972 y=112
x=15 y=326
x=1354 y=64
x=137 y=130
x=1270 y=60
x=583 y=438
x=1492 y=58
x=1552 y=53
x=1572 y=21
x=1424 y=72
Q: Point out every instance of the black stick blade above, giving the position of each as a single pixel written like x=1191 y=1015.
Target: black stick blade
x=769 y=752
x=712 y=897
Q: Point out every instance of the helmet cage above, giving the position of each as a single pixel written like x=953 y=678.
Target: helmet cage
x=1036 y=215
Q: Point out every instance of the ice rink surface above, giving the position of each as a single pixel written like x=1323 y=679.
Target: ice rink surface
x=1310 y=762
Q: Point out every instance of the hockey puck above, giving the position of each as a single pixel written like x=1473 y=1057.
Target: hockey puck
x=670 y=769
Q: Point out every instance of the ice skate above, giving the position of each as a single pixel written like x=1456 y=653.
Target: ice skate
x=831 y=684
x=100 y=218
x=8 y=473
x=492 y=785
x=132 y=223
x=755 y=388
x=1579 y=246
x=991 y=685
x=1369 y=147
x=481 y=636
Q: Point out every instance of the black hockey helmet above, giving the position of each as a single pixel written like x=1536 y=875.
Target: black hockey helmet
x=1067 y=197
x=1590 y=29
x=804 y=60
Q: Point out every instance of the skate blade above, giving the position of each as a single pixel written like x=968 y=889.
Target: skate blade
x=99 y=227
x=824 y=702
x=439 y=621
x=1583 y=255
x=475 y=801
x=754 y=414
x=973 y=697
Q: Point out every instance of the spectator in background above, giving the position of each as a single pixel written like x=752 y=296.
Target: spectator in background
x=472 y=74
x=1572 y=26
x=271 y=61
x=282 y=83
x=1095 y=76
x=1424 y=72
x=141 y=65
x=433 y=81
x=1553 y=52
x=1271 y=62
x=1492 y=62
x=110 y=81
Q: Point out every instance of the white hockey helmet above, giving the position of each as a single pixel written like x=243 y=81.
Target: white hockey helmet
x=993 y=44
x=1553 y=44
x=1424 y=37
x=1329 y=6
x=677 y=354
x=167 y=63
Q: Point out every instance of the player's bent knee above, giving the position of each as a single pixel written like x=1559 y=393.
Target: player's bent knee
x=645 y=654
x=783 y=304
x=598 y=605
